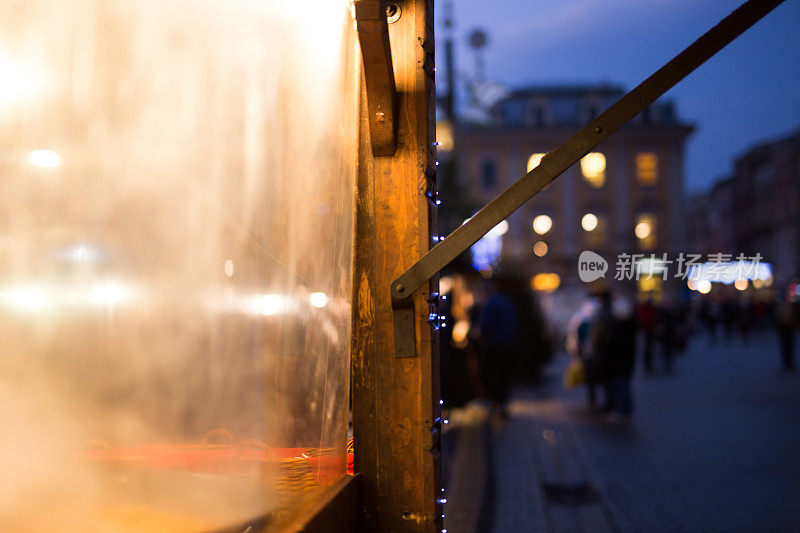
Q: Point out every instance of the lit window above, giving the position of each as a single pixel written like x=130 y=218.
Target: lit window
x=593 y=167
x=545 y=282
x=534 y=160
x=540 y=249
x=645 y=231
x=650 y=284
x=542 y=224
x=647 y=168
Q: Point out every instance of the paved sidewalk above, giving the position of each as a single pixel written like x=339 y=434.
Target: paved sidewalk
x=715 y=446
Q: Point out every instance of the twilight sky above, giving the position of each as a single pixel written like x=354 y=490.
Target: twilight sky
x=749 y=92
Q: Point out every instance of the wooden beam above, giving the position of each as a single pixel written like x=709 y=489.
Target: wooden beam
x=396 y=400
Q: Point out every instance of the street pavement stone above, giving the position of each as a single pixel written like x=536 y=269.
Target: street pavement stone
x=714 y=446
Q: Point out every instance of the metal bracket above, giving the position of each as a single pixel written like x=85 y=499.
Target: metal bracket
x=560 y=159
x=376 y=54
x=404 y=323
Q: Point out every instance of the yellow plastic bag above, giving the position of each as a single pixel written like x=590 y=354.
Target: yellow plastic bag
x=575 y=374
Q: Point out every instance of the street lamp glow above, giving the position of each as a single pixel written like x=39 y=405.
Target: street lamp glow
x=643 y=230
x=44 y=159
x=589 y=221
x=703 y=286
x=540 y=249
x=542 y=224
x=740 y=284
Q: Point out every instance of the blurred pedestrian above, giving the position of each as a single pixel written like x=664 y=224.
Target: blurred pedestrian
x=602 y=335
x=728 y=312
x=646 y=315
x=786 y=323
x=579 y=345
x=498 y=334
x=745 y=315
x=666 y=327
x=709 y=315
x=622 y=356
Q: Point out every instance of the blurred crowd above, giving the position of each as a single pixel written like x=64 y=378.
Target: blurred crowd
x=492 y=334
x=607 y=333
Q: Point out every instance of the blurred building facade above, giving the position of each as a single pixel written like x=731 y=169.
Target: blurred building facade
x=627 y=196
x=755 y=209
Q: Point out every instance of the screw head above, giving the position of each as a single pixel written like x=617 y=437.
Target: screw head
x=392 y=12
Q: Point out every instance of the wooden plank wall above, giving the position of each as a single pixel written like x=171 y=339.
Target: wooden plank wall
x=396 y=401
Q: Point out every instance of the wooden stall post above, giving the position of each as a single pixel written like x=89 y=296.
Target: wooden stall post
x=396 y=400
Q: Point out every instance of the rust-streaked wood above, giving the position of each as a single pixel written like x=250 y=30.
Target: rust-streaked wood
x=395 y=400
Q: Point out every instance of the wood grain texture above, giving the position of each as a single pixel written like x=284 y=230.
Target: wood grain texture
x=395 y=401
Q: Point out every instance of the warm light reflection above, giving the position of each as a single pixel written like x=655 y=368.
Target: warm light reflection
x=110 y=294
x=589 y=221
x=271 y=304
x=27 y=299
x=542 y=224
x=540 y=249
x=81 y=254
x=162 y=229
x=318 y=299
x=445 y=285
x=44 y=159
x=460 y=332
x=703 y=286
x=19 y=81
x=534 y=160
x=39 y=298
x=741 y=284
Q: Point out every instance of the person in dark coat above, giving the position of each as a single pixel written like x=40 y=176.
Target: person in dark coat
x=786 y=323
x=602 y=333
x=622 y=357
x=498 y=322
x=647 y=322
